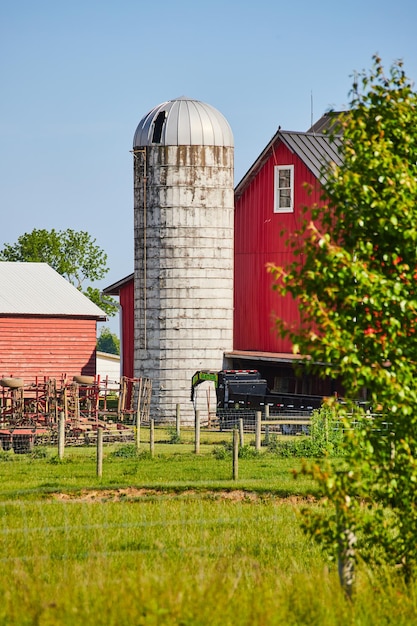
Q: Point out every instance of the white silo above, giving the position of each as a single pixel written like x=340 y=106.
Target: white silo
x=183 y=220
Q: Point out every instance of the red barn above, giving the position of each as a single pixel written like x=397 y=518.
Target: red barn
x=285 y=178
x=47 y=327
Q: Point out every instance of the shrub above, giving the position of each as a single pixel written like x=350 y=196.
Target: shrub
x=39 y=452
x=325 y=438
x=225 y=451
x=173 y=435
x=6 y=455
x=128 y=451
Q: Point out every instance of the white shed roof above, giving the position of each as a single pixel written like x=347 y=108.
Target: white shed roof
x=183 y=122
x=37 y=289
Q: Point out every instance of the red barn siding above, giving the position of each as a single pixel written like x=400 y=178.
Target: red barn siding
x=33 y=347
x=257 y=242
x=126 y=299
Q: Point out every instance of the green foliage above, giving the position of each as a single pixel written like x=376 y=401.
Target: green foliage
x=7 y=455
x=108 y=342
x=359 y=248
x=325 y=438
x=225 y=451
x=130 y=451
x=55 y=460
x=126 y=451
x=106 y=303
x=327 y=431
x=174 y=436
x=73 y=254
x=39 y=452
x=358 y=302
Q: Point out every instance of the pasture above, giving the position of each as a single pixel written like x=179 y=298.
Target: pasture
x=172 y=540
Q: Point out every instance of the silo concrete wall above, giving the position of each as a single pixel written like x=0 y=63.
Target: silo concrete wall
x=183 y=221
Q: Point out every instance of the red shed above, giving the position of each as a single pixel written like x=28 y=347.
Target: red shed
x=47 y=327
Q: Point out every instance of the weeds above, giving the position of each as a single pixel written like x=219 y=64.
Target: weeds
x=128 y=451
x=39 y=452
x=225 y=452
x=325 y=439
x=7 y=455
x=174 y=436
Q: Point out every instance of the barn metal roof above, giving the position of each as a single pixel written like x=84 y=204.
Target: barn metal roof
x=329 y=123
x=316 y=150
x=114 y=288
x=37 y=289
x=183 y=122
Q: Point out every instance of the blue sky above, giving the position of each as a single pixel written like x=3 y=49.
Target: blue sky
x=78 y=76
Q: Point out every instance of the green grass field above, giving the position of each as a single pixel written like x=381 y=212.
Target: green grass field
x=171 y=540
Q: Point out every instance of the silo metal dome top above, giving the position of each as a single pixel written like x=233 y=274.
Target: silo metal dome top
x=183 y=122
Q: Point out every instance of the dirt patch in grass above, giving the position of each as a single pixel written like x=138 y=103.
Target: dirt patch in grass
x=134 y=493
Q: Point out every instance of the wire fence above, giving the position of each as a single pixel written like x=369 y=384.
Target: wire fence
x=149 y=435
x=131 y=426
x=63 y=523
x=288 y=422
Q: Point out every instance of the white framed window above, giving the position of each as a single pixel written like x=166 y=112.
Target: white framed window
x=284 y=188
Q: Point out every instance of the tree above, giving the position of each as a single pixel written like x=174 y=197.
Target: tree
x=355 y=280
x=73 y=254
x=108 y=342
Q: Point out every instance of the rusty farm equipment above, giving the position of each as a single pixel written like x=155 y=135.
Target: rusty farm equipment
x=30 y=413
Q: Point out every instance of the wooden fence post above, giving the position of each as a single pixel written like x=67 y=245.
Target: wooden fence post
x=99 y=452
x=61 y=435
x=266 y=417
x=138 y=415
x=197 y=433
x=258 y=427
x=178 y=420
x=235 y=454
x=152 y=437
x=137 y=436
x=241 y=435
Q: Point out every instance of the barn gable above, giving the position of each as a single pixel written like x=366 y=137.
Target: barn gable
x=258 y=227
